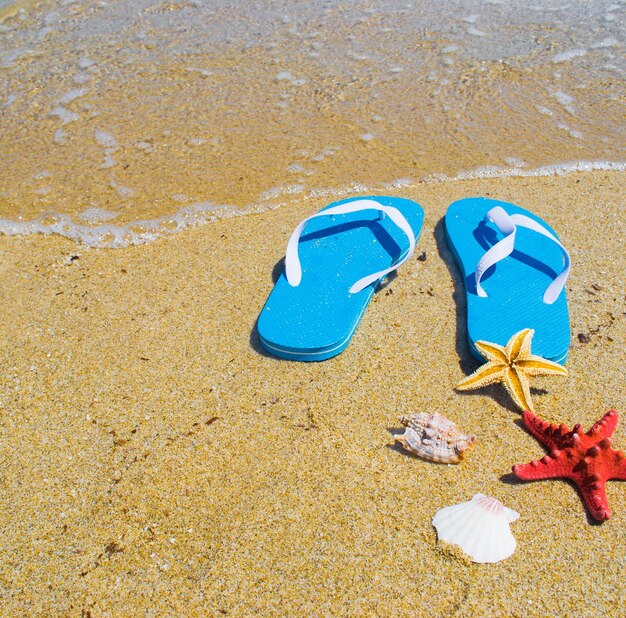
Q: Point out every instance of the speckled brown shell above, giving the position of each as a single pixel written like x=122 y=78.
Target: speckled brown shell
x=434 y=437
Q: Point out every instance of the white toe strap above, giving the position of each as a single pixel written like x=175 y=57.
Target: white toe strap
x=293 y=269
x=507 y=224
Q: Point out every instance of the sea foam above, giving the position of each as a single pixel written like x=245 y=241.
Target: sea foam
x=116 y=236
x=110 y=235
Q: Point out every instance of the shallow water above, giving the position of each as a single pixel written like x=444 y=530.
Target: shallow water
x=128 y=120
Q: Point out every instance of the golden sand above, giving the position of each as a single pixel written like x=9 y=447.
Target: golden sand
x=154 y=461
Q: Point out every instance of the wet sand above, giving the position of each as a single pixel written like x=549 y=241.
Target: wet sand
x=140 y=108
x=154 y=461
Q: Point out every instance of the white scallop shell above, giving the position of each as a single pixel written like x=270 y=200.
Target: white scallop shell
x=434 y=437
x=480 y=527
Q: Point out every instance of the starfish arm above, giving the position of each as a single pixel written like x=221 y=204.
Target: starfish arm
x=614 y=462
x=516 y=384
x=594 y=496
x=487 y=374
x=537 y=366
x=492 y=352
x=548 y=434
x=605 y=427
x=519 y=344
x=547 y=467
x=618 y=467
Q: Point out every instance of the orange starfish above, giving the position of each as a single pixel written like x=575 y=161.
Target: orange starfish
x=585 y=458
x=512 y=365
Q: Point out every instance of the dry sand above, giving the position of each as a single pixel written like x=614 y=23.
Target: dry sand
x=154 y=461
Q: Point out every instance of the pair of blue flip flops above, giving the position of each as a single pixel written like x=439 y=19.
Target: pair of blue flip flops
x=513 y=264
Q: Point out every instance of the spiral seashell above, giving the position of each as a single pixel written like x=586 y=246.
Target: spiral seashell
x=434 y=437
x=479 y=527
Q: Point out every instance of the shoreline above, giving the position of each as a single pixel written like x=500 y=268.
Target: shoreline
x=113 y=235
x=154 y=460
x=139 y=109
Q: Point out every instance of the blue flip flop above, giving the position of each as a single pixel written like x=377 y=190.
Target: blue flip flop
x=514 y=268
x=334 y=262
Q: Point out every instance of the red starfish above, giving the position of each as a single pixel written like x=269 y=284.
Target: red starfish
x=585 y=458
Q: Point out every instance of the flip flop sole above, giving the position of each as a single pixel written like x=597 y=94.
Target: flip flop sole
x=514 y=286
x=316 y=320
